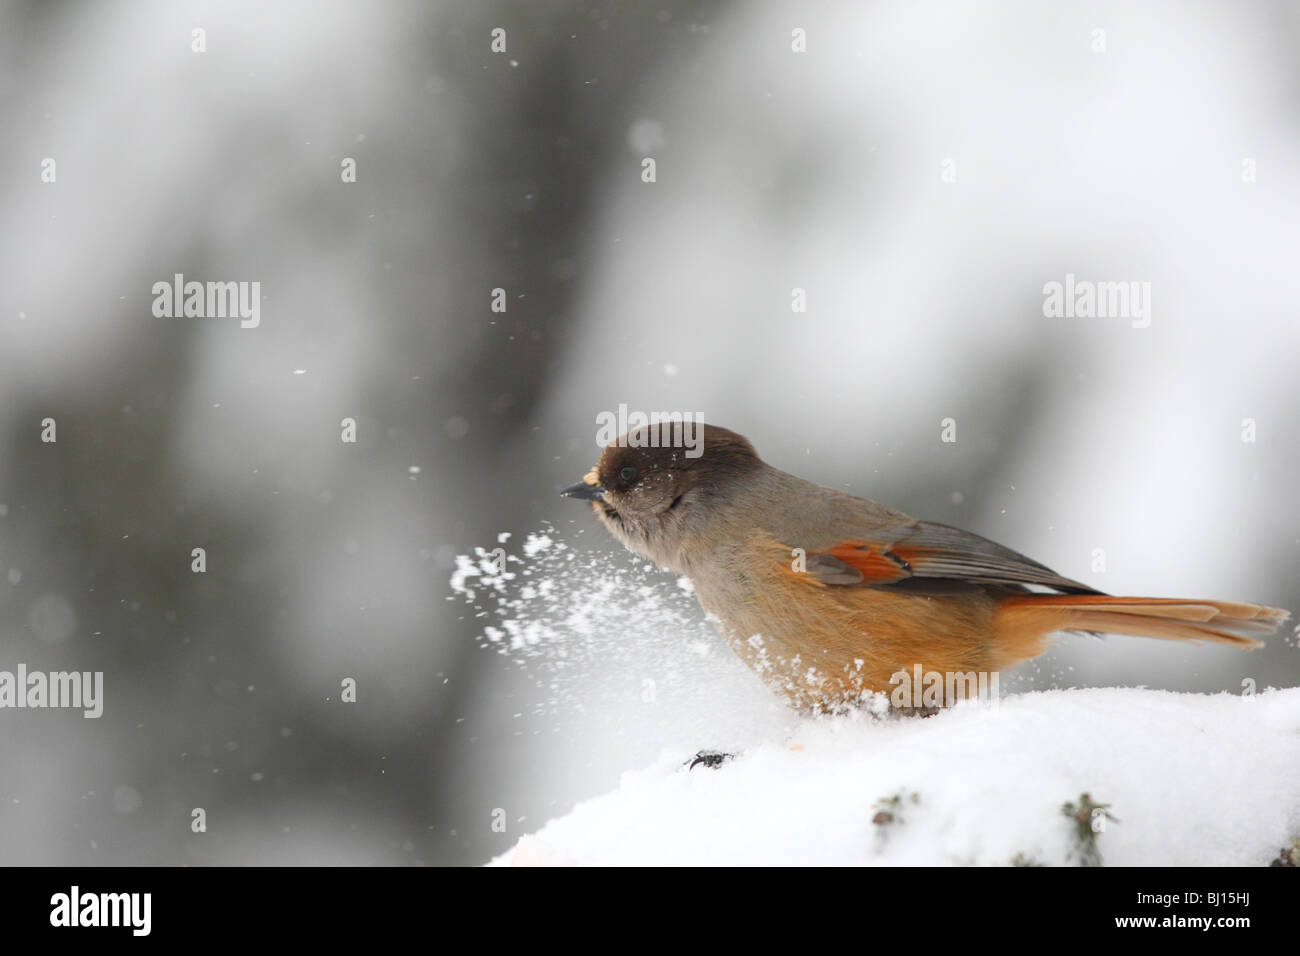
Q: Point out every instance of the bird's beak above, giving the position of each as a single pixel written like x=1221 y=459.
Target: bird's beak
x=584 y=491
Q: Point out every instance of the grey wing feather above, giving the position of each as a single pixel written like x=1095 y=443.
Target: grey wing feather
x=965 y=556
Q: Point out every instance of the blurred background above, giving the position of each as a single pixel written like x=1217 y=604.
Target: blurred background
x=920 y=171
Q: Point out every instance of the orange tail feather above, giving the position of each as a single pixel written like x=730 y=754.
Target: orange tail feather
x=1024 y=619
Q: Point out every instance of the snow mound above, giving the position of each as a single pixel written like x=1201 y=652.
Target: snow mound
x=1188 y=779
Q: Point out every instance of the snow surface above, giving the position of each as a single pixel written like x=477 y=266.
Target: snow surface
x=1190 y=779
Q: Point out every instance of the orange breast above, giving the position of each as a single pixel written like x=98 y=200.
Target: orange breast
x=823 y=645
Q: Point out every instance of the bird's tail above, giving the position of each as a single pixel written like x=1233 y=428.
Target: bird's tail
x=1028 y=617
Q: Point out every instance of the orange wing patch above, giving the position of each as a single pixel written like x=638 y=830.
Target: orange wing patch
x=878 y=565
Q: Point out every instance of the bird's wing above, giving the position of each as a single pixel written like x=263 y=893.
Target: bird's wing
x=927 y=550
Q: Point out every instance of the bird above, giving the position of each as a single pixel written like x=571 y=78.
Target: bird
x=831 y=598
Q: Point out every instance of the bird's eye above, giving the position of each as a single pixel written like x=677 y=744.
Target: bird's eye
x=627 y=474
